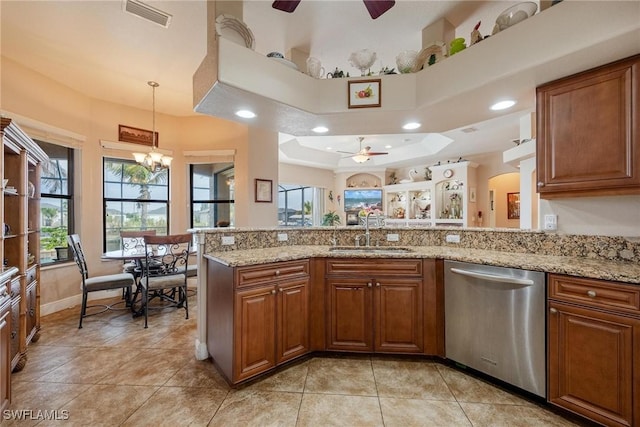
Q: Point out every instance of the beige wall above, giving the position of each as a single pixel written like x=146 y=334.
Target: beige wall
x=503 y=184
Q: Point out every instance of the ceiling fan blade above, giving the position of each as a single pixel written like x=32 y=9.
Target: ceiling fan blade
x=377 y=7
x=373 y=153
x=346 y=152
x=286 y=5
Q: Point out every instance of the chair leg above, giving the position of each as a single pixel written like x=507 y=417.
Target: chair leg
x=83 y=310
x=186 y=301
x=145 y=292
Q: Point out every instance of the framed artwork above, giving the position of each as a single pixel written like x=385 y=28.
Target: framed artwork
x=365 y=93
x=472 y=194
x=513 y=205
x=136 y=136
x=264 y=190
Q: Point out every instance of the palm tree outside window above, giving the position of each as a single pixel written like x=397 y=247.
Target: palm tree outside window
x=135 y=198
x=56 y=203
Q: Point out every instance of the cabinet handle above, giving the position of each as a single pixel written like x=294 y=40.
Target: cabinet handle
x=32 y=312
x=273 y=292
x=281 y=289
x=592 y=294
x=540 y=184
x=377 y=284
x=277 y=272
x=553 y=310
x=13 y=334
x=369 y=285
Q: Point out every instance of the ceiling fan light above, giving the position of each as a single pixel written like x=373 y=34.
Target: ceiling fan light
x=360 y=158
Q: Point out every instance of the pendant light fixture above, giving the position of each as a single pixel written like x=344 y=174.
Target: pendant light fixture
x=153 y=160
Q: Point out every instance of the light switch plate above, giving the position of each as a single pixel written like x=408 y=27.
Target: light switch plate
x=283 y=237
x=228 y=240
x=393 y=237
x=551 y=222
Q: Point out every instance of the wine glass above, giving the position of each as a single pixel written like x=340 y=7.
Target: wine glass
x=363 y=60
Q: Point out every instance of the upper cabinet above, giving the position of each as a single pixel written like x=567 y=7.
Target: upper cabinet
x=589 y=132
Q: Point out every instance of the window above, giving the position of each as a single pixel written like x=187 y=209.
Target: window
x=134 y=199
x=56 y=203
x=295 y=205
x=212 y=203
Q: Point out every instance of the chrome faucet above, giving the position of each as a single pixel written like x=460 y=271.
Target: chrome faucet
x=367 y=235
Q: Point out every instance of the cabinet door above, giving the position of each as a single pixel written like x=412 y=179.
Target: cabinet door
x=5 y=355
x=254 y=331
x=350 y=315
x=591 y=364
x=399 y=316
x=292 y=320
x=588 y=137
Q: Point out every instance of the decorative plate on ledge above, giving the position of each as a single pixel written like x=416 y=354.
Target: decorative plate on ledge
x=231 y=28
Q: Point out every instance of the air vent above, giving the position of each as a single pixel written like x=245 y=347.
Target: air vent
x=147 y=12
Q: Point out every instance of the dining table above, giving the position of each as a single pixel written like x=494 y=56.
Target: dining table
x=136 y=255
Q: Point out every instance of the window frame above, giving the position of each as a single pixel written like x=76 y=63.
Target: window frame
x=69 y=197
x=192 y=202
x=106 y=200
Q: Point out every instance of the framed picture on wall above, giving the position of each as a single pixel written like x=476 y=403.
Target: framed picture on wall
x=513 y=205
x=365 y=93
x=264 y=190
x=136 y=135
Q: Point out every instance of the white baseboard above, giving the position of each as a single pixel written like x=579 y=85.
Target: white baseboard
x=76 y=300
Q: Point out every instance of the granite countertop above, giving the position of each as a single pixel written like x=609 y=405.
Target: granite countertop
x=620 y=271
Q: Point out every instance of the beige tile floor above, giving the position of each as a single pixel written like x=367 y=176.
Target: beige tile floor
x=114 y=372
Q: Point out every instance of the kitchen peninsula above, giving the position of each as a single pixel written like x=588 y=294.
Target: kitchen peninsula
x=263 y=302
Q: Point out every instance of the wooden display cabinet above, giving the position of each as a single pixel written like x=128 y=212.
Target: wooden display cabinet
x=588 y=128
x=594 y=349
x=22 y=160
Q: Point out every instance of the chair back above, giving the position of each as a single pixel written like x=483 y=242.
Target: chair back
x=133 y=241
x=167 y=255
x=78 y=255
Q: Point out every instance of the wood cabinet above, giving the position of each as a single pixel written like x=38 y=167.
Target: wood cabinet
x=379 y=305
x=594 y=349
x=269 y=320
x=588 y=128
x=5 y=338
x=21 y=163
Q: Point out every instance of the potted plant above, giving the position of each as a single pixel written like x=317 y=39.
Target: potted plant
x=56 y=238
x=331 y=219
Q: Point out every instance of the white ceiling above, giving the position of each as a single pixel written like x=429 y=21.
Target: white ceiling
x=97 y=49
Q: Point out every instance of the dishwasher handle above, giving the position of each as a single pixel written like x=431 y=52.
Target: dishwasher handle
x=492 y=277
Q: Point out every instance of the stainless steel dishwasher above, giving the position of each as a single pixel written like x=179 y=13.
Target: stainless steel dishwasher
x=495 y=322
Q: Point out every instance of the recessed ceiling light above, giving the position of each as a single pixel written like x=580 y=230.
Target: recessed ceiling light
x=411 y=126
x=388 y=146
x=245 y=114
x=329 y=148
x=503 y=105
x=320 y=129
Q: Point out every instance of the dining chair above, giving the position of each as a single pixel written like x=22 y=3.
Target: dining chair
x=96 y=283
x=164 y=272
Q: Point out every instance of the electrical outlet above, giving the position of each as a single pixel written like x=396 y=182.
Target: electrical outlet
x=228 y=240
x=453 y=238
x=551 y=222
x=393 y=237
x=283 y=237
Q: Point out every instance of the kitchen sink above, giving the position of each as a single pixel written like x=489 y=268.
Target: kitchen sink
x=370 y=250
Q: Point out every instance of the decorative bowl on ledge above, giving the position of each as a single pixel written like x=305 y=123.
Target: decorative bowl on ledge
x=406 y=61
x=363 y=60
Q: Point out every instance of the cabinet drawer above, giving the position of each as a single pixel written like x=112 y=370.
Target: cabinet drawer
x=253 y=275
x=31 y=274
x=374 y=267
x=595 y=293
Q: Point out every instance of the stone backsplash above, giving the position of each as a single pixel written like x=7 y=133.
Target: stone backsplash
x=506 y=240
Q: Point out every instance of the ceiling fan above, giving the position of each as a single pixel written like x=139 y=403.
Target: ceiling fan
x=364 y=154
x=375 y=7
